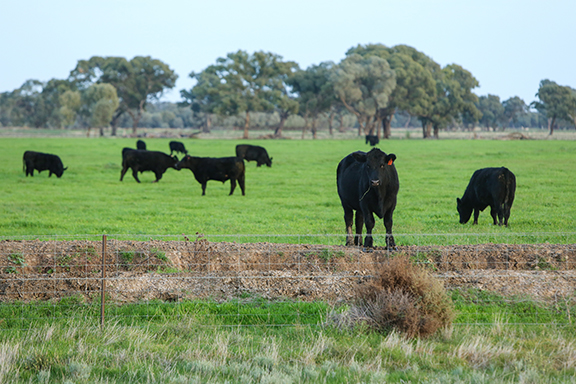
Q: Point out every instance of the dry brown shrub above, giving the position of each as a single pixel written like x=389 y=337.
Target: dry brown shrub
x=405 y=297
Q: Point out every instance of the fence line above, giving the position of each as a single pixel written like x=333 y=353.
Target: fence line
x=74 y=277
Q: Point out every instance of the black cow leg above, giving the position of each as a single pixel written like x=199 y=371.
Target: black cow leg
x=241 y=183
x=388 y=222
x=348 y=219
x=135 y=175
x=123 y=173
x=232 y=186
x=476 y=214
x=203 y=189
x=368 y=240
x=358 y=223
x=494 y=213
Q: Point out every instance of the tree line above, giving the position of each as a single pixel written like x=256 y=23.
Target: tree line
x=374 y=88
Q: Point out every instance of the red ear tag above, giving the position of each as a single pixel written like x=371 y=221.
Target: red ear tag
x=390 y=162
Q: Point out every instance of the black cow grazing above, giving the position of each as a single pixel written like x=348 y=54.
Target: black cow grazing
x=140 y=144
x=143 y=160
x=368 y=184
x=41 y=162
x=253 y=152
x=176 y=146
x=372 y=139
x=494 y=187
x=216 y=168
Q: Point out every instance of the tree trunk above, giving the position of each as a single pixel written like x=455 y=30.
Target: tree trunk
x=552 y=123
x=114 y=121
x=330 y=121
x=280 y=127
x=208 y=126
x=135 y=120
x=305 y=126
x=314 y=127
x=101 y=131
x=407 y=124
x=341 y=129
x=426 y=129
x=246 y=125
x=436 y=131
x=386 y=122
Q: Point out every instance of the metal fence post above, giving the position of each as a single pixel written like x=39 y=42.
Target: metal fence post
x=103 y=290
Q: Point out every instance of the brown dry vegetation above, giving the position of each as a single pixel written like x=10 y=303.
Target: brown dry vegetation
x=174 y=270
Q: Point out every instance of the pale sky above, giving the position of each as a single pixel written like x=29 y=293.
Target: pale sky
x=508 y=45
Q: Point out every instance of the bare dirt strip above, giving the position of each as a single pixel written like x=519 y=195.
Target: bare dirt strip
x=177 y=270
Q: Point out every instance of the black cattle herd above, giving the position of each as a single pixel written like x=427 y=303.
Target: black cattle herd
x=367 y=182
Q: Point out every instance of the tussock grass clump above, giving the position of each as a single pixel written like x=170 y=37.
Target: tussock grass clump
x=403 y=297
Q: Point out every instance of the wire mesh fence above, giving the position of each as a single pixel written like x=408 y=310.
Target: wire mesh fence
x=273 y=280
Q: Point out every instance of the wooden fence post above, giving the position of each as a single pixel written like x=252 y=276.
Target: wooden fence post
x=103 y=290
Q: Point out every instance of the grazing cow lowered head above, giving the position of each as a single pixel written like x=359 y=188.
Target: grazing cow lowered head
x=41 y=162
x=216 y=168
x=494 y=187
x=142 y=160
x=254 y=153
x=368 y=184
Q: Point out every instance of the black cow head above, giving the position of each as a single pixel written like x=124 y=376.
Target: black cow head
x=378 y=164
x=464 y=210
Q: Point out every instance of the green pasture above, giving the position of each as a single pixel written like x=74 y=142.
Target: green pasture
x=296 y=196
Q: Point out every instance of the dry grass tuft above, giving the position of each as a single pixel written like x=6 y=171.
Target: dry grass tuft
x=403 y=297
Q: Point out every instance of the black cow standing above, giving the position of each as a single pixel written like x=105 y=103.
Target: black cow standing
x=368 y=184
x=253 y=152
x=143 y=160
x=494 y=187
x=372 y=139
x=41 y=162
x=140 y=144
x=216 y=168
x=176 y=146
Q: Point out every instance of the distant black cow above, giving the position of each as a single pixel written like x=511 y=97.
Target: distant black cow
x=216 y=168
x=494 y=187
x=253 y=152
x=176 y=146
x=143 y=160
x=368 y=184
x=140 y=144
x=372 y=139
x=41 y=162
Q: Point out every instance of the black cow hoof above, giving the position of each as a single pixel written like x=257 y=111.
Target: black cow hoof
x=367 y=250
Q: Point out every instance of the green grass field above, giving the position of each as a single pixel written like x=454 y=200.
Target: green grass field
x=296 y=196
x=494 y=340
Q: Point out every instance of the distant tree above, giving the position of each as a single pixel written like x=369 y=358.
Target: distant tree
x=454 y=98
x=315 y=91
x=415 y=87
x=555 y=101
x=364 y=85
x=70 y=103
x=100 y=101
x=492 y=111
x=137 y=82
x=243 y=83
x=514 y=107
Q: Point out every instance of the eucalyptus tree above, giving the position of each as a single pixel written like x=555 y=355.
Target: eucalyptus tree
x=454 y=98
x=514 y=107
x=492 y=111
x=137 y=82
x=243 y=83
x=415 y=85
x=315 y=91
x=555 y=102
x=364 y=85
x=100 y=101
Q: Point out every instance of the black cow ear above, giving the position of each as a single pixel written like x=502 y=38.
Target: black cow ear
x=360 y=156
x=390 y=158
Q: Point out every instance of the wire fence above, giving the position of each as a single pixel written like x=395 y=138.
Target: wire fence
x=273 y=280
